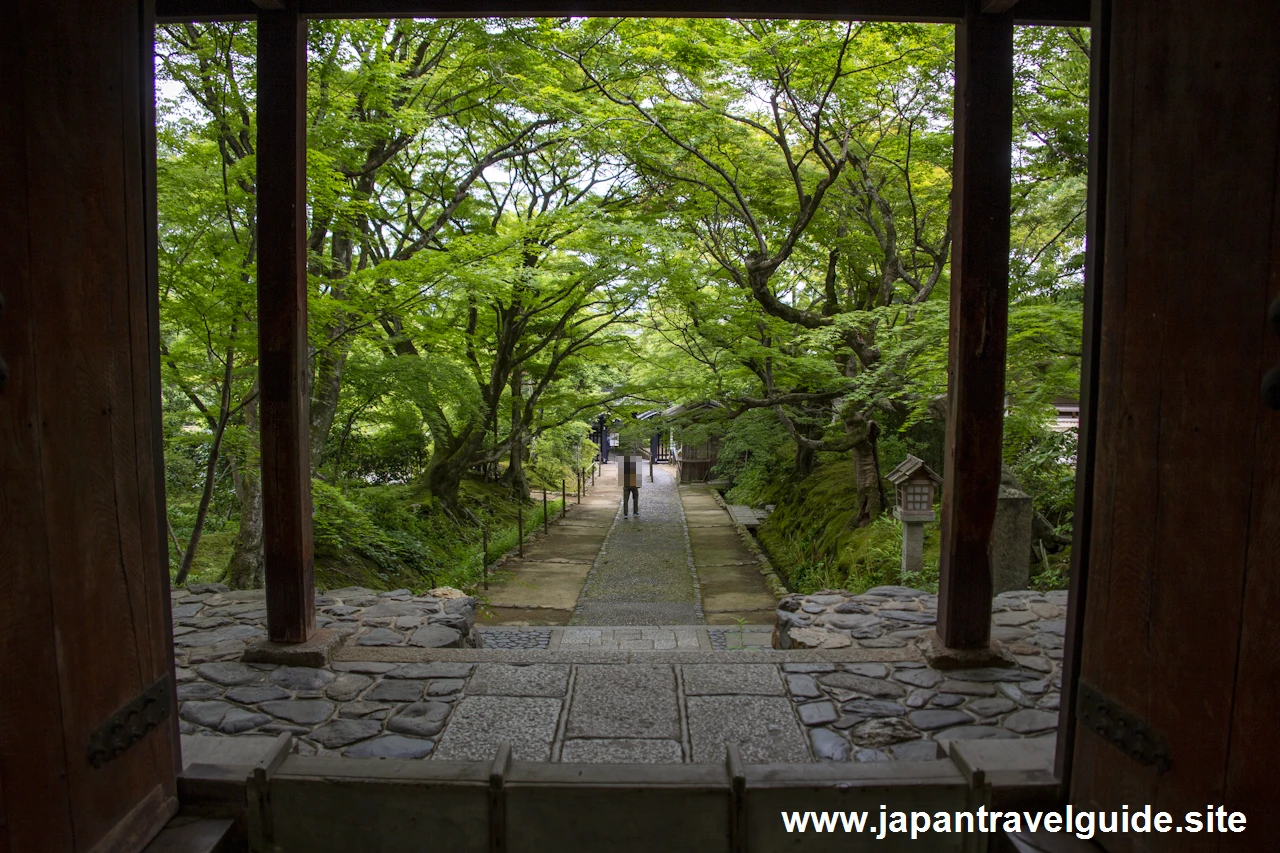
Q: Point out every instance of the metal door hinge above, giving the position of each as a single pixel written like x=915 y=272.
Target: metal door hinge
x=1121 y=728
x=128 y=725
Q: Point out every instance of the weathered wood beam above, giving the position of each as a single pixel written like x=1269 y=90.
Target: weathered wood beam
x=1065 y=12
x=979 y=323
x=991 y=7
x=283 y=370
x=1087 y=446
x=270 y=5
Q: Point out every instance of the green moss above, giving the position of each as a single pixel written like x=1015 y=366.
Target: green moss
x=813 y=539
x=392 y=536
x=212 y=555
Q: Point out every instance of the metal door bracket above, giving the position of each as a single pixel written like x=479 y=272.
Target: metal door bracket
x=128 y=725
x=1121 y=728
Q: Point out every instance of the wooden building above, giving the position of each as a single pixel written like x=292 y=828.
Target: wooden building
x=1169 y=699
x=694 y=459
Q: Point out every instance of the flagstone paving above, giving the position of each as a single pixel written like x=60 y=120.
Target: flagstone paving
x=680 y=560
x=634 y=694
x=541 y=588
x=732 y=587
x=638 y=677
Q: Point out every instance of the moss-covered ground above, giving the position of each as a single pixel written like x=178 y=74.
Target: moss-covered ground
x=814 y=542
x=393 y=536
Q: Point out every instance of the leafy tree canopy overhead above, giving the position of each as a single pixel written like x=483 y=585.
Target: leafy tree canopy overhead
x=516 y=225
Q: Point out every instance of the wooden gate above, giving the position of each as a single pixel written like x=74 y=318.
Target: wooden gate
x=88 y=732
x=1179 y=674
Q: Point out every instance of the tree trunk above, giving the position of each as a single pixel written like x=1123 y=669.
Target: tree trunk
x=866 y=465
x=861 y=433
x=514 y=477
x=449 y=465
x=245 y=571
x=324 y=399
x=804 y=461
x=202 y=513
x=806 y=458
x=331 y=358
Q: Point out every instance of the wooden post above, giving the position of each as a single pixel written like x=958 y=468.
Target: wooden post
x=564 y=500
x=520 y=526
x=579 y=484
x=979 y=323
x=545 y=526
x=484 y=567
x=283 y=370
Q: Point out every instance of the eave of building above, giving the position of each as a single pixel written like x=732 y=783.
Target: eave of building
x=1038 y=12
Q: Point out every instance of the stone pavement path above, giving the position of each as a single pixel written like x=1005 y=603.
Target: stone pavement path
x=729 y=576
x=644 y=573
x=542 y=587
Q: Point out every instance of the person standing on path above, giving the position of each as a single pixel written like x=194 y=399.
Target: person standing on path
x=630 y=483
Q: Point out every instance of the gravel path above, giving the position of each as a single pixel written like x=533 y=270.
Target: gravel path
x=644 y=573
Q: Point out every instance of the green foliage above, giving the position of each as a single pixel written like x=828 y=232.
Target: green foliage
x=361 y=531
x=1053 y=573
x=517 y=224
x=559 y=453
x=756 y=456
x=1044 y=461
x=812 y=538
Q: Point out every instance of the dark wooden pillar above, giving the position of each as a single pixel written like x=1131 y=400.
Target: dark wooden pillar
x=979 y=323
x=283 y=371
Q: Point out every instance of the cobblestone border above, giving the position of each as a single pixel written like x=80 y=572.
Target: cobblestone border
x=516 y=637
x=771 y=578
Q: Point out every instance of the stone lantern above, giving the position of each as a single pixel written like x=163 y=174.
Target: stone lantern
x=915 y=484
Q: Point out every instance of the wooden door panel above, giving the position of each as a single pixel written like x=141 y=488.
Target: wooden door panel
x=1255 y=738
x=34 y=804
x=82 y=482
x=1183 y=554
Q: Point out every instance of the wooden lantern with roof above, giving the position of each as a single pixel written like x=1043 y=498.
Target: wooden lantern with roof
x=915 y=484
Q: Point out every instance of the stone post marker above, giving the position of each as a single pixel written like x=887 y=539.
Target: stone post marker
x=915 y=484
x=1011 y=541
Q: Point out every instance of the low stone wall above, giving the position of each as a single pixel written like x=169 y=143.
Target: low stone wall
x=1029 y=623
x=873 y=711
x=214 y=623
